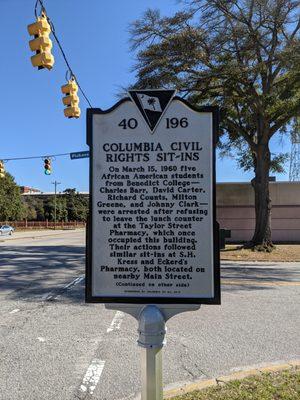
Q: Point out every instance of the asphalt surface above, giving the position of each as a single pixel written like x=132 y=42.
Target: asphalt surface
x=54 y=346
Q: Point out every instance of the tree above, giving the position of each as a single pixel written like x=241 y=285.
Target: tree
x=61 y=208
x=34 y=208
x=242 y=55
x=49 y=208
x=29 y=211
x=11 y=206
x=77 y=205
x=70 y=206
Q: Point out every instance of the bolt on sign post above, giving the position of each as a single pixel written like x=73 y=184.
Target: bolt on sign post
x=153 y=237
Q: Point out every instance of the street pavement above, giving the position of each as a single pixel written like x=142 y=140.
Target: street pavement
x=54 y=346
x=33 y=234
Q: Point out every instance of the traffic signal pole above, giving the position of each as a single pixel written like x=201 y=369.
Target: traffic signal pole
x=55 y=183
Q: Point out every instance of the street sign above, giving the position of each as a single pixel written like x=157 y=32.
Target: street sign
x=79 y=154
x=153 y=235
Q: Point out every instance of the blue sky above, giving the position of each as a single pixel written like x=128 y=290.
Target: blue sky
x=95 y=37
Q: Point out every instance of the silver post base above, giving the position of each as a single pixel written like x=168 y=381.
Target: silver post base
x=152 y=320
x=151 y=338
x=152 y=387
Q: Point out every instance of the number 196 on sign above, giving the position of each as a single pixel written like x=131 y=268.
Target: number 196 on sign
x=173 y=123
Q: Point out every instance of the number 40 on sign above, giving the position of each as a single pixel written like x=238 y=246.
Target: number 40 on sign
x=171 y=123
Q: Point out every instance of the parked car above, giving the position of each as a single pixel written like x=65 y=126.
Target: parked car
x=6 y=230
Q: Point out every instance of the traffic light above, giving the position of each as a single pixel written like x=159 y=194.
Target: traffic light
x=2 y=169
x=41 y=43
x=47 y=166
x=71 y=99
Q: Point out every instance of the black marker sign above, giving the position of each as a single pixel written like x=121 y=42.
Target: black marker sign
x=152 y=236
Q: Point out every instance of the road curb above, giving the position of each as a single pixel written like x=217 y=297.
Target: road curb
x=244 y=373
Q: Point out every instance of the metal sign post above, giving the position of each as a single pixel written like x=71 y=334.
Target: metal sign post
x=151 y=338
x=152 y=332
x=152 y=248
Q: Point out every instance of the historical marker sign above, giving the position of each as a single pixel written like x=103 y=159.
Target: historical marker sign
x=153 y=237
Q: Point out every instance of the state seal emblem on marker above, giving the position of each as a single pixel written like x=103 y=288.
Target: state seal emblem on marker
x=152 y=104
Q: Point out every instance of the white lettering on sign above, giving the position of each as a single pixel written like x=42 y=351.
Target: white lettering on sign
x=152 y=196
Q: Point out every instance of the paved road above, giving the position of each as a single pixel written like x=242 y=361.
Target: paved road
x=53 y=346
x=35 y=234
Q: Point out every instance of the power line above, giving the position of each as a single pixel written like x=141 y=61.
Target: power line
x=30 y=158
x=60 y=47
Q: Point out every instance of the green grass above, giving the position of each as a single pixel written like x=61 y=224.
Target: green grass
x=283 y=385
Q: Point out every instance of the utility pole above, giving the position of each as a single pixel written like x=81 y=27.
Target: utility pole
x=295 y=153
x=55 y=183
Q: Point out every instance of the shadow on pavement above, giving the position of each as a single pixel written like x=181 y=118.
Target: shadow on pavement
x=258 y=277
x=267 y=274
x=29 y=272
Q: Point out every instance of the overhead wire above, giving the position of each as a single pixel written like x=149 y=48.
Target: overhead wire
x=60 y=47
x=41 y=157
